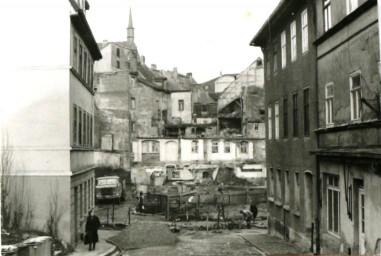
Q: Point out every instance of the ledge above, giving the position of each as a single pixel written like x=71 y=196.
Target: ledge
x=270 y=199
x=286 y=207
x=278 y=203
x=296 y=213
x=350 y=126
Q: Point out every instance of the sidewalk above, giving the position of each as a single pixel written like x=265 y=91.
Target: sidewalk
x=103 y=248
x=270 y=245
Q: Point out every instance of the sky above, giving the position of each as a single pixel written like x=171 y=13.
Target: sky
x=204 y=37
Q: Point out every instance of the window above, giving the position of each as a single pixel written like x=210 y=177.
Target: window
x=133 y=103
x=279 y=185
x=84 y=126
x=355 y=86
x=204 y=110
x=117 y=52
x=329 y=103
x=333 y=203
x=88 y=130
x=327 y=14
x=296 y=191
x=244 y=147
x=128 y=65
x=214 y=146
x=286 y=188
x=84 y=66
x=80 y=127
x=91 y=131
x=304 y=31
x=283 y=48
x=293 y=40
x=276 y=106
x=80 y=59
x=268 y=65
x=118 y=64
x=85 y=206
x=269 y=122
x=285 y=118
x=226 y=147
x=132 y=126
x=88 y=70
x=256 y=126
x=271 y=183
x=195 y=146
x=91 y=73
x=181 y=105
x=150 y=146
x=75 y=52
x=295 y=114
x=352 y=5
x=306 y=106
x=275 y=57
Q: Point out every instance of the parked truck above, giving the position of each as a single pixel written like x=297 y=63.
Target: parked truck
x=110 y=188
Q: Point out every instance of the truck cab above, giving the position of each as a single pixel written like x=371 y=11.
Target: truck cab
x=110 y=188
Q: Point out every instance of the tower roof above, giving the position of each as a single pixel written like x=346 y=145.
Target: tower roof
x=130 y=25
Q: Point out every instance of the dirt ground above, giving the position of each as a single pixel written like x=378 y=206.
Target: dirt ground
x=193 y=239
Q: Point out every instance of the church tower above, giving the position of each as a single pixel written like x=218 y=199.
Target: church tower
x=130 y=29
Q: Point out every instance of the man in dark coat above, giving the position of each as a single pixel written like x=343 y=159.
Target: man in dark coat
x=92 y=225
x=254 y=210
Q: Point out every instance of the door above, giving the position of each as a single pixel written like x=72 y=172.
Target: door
x=361 y=222
x=171 y=151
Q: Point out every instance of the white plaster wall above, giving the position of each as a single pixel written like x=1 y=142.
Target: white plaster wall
x=186 y=114
x=223 y=82
x=203 y=120
x=186 y=151
x=104 y=64
x=221 y=155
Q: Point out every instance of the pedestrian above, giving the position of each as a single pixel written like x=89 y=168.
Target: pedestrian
x=92 y=225
x=141 y=200
x=254 y=210
x=247 y=216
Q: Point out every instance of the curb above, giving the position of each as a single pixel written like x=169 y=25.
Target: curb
x=261 y=251
x=116 y=251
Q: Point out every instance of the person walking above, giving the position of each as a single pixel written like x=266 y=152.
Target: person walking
x=247 y=217
x=254 y=210
x=141 y=201
x=92 y=225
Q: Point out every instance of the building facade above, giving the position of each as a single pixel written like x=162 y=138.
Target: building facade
x=348 y=153
x=286 y=41
x=51 y=130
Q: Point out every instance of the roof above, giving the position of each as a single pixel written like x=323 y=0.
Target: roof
x=201 y=95
x=79 y=22
x=281 y=13
x=108 y=177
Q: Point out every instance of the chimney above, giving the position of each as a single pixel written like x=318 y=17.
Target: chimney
x=143 y=59
x=153 y=66
x=175 y=71
x=189 y=75
x=104 y=43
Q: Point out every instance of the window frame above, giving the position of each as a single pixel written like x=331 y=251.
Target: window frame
x=215 y=146
x=268 y=64
x=276 y=119
x=327 y=15
x=243 y=147
x=295 y=116
x=75 y=124
x=329 y=104
x=227 y=147
x=133 y=103
x=306 y=111
x=296 y=191
x=194 y=146
x=275 y=58
x=304 y=27
x=285 y=118
x=269 y=122
x=293 y=37
x=278 y=186
x=335 y=191
x=283 y=40
x=181 y=105
x=286 y=175
x=256 y=126
x=355 y=96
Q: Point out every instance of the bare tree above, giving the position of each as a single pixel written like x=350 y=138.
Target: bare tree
x=56 y=210
x=16 y=205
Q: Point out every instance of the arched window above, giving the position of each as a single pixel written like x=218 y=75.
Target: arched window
x=194 y=146
x=244 y=147
x=150 y=146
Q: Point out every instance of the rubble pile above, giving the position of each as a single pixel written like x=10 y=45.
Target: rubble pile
x=144 y=234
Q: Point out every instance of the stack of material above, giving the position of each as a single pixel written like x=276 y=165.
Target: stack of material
x=142 y=235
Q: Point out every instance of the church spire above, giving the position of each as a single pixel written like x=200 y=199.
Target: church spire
x=130 y=29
